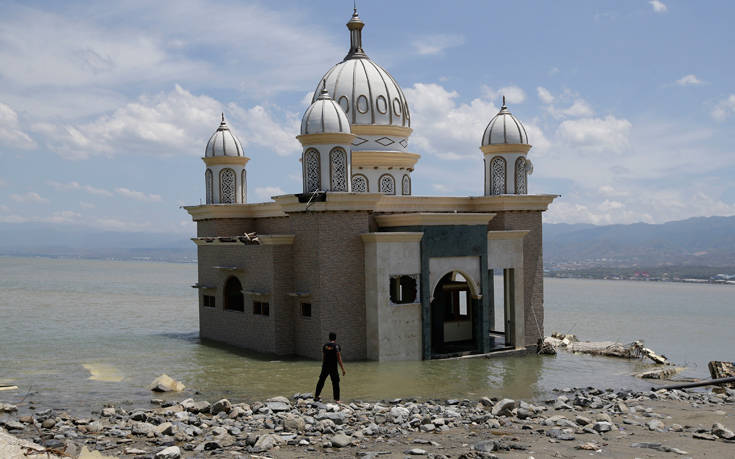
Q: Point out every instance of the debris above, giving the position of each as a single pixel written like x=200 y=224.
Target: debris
x=720 y=370
x=632 y=350
x=165 y=383
x=659 y=373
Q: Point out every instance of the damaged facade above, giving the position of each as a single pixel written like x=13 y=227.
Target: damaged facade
x=397 y=276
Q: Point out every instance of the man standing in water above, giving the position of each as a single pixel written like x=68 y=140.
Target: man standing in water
x=331 y=356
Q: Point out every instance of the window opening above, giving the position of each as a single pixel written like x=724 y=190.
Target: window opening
x=306 y=309
x=261 y=308
x=403 y=289
x=208 y=301
x=234 y=300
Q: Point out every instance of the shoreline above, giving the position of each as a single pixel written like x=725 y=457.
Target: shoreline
x=573 y=423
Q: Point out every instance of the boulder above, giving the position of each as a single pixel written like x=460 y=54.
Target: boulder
x=602 y=426
x=220 y=406
x=165 y=383
x=503 y=407
x=48 y=423
x=341 y=440
x=722 y=432
x=485 y=446
x=267 y=442
x=294 y=423
x=399 y=414
x=165 y=428
x=172 y=452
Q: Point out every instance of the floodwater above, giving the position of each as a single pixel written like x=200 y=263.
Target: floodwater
x=75 y=334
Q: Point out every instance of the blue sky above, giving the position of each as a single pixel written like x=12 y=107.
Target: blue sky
x=105 y=108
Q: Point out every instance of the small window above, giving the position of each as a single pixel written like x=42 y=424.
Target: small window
x=306 y=309
x=459 y=307
x=403 y=289
x=260 y=308
x=208 y=301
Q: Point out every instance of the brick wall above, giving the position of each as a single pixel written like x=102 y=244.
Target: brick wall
x=225 y=226
x=533 y=266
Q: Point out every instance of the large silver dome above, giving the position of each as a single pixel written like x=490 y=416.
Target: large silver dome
x=366 y=92
x=324 y=116
x=223 y=142
x=504 y=128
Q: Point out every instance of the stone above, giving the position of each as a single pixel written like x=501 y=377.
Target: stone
x=198 y=407
x=399 y=414
x=14 y=425
x=48 y=423
x=7 y=408
x=341 y=440
x=294 y=423
x=135 y=451
x=172 y=452
x=485 y=446
x=486 y=402
x=165 y=383
x=139 y=416
x=582 y=421
x=267 y=442
x=416 y=452
x=428 y=427
x=523 y=413
x=503 y=407
x=560 y=434
x=655 y=424
x=108 y=412
x=219 y=406
x=602 y=426
x=165 y=428
x=704 y=436
x=142 y=428
x=277 y=406
x=95 y=426
x=722 y=432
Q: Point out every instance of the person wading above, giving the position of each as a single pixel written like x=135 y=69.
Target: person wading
x=331 y=356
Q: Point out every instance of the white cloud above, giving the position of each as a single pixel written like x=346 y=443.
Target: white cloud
x=436 y=43
x=689 y=80
x=513 y=94
x=138 y=195
x=86 y=205
x=10 y=130
x=544 y=94
x=596 y=134
x=263 y=129
x=3 y=183
x=264 y=193
x=4 y=208
x=658 y=6
x=114 y=224
x=12 y=219
x=64 y=216
x=724 y=108
x=28 y=197
x=76 y=186
x=579 y=108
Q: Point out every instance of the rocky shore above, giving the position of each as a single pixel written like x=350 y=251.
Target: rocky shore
x=575 y=422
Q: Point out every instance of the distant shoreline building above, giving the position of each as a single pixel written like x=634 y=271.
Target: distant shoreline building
x=397 y=276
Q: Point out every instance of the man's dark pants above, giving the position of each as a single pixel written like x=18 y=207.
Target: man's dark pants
x=334 y=375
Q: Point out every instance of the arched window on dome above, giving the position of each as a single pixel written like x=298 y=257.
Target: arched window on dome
x=338 y=169
x=521 y=176
x=497 y=171
x=312 y=170
x=360 y=184
x=227 y=186
x=208 y=179
x=244 y=184
x=387 y=184
x=234 y=300
x=406 y=185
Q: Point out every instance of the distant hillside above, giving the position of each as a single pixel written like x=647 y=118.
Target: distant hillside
x=700 y=241
x=68 y=241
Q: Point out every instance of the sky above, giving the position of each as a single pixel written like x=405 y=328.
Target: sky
x=106 y=107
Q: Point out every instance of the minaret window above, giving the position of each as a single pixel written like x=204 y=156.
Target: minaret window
x=359 y=184
x=406 y=185
x=497 y=171
x=244 y=184
x=208 y=184
x=521 y=176
x=227 y=186
x=312 y=171
x=338 y=169
x=387 y=184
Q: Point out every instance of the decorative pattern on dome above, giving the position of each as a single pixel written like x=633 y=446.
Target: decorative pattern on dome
x=504 y=128
x=387 y=184
x=359 y=184
x=223 y=142
x=228 y=186
x=497 y=170
x=520 y=176
x=312 y=171
x=338 y=169
x=406 y=185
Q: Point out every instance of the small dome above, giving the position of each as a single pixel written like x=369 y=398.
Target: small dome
x=504 y=128
x=223 y=142
x=367 y=93
x=324 y=116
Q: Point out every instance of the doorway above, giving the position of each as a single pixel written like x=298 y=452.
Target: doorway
x=453 y=312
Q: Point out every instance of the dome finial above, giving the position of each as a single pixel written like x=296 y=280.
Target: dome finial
x=223 y=117
x=355 y=26
x=504 y=106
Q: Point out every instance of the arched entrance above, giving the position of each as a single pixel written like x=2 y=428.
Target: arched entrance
x=453 y=315
x=233 y=295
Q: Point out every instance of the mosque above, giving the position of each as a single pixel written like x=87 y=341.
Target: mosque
x=396 y=276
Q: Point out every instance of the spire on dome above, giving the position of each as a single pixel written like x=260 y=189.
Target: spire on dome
x=504 y=106
x=355 y=26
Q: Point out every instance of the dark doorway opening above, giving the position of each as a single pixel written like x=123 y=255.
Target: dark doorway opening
x=453 y=314
x=234 y=300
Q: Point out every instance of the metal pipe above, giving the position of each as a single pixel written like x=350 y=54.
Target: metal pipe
x=697 y=384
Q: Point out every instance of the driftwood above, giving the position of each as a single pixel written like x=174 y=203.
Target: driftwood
x=711 y=382
x=632 y=350
x=660 y=373
x=4 y=387
x=719 y=370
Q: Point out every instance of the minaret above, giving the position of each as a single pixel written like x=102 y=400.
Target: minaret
x=504 y=147
x=225 y=178
x=326 y=160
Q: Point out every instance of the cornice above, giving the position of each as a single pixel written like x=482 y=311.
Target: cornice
x=384 y=159
x=258 y=210
x=510 y=234
x=379 y=129
x=432 y=219
x=335 y=201
x=391 y=237
x=517 y=148
x=325 y=139
x=508 y=202
x=219 y=160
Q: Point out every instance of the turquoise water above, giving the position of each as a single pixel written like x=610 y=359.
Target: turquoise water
x=75 y=334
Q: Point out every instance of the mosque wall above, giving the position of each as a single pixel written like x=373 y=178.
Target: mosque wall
x=225 y=227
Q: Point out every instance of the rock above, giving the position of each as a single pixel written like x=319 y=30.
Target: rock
x=589 y=446
x=582 y=421
x=48 y=423
x=139 y=416
x=198 y=407
x=722 y=432
x=165 y=428
x=14 y=425
x=278 y=406
x=503 y=407
x=220 y=406
x=485 y=446
x=399 y=414
x=95 y=426
x=341 y=440
x=172 y=452
x=142 y=428
x=165 y=383
x=294 y=423
x=486 y=402
x=428 y=427
x=523 y=413
x=561 y=434
x=704 y=436
x=655 y=424
x=108 y=412
x=267 y=442
x=135 y=451
x=7 y=408
x=416 y=452
x=602 y=426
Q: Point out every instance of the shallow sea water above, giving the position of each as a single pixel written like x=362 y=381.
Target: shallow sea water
x=76 y=334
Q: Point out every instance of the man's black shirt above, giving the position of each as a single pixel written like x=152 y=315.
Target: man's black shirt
x=330 y=351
